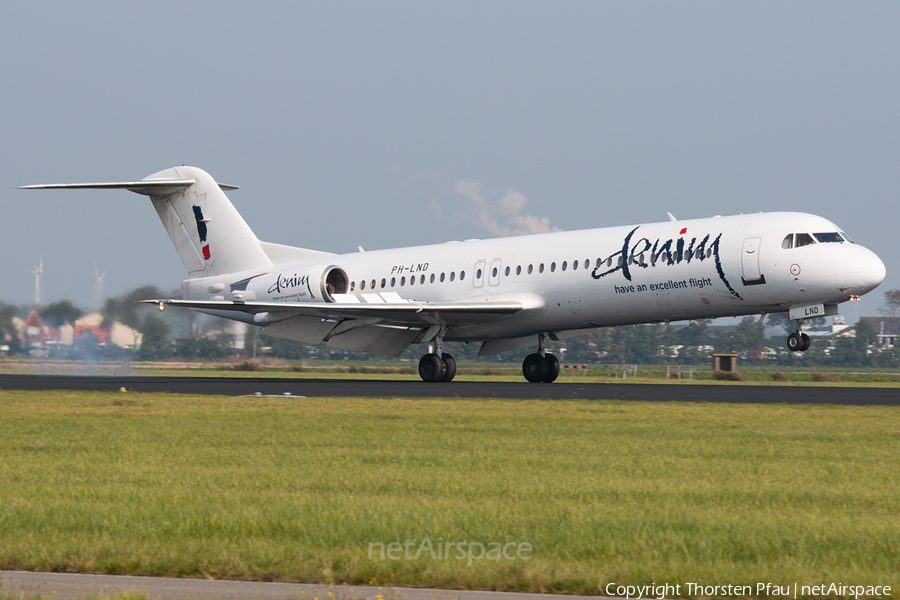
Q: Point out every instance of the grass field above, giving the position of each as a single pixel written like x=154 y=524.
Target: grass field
x=298 y=489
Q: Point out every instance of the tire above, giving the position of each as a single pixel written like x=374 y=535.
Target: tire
x=449 y=367
x=535 y=368
x=794 y=342
x=804 y=346
x=553 y=371
x=431 y=368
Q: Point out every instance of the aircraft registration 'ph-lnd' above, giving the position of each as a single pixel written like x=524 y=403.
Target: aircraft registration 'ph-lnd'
x=508 y=293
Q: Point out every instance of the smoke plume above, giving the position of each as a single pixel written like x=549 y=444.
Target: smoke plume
x=501 y=218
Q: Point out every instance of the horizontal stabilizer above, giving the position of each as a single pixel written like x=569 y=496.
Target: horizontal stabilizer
x=147 y=187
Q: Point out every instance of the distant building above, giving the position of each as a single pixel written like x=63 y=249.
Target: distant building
x=118 y=334
x=887 y=328
x=34 y=333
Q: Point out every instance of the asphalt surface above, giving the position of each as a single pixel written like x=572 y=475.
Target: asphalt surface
x=460 y=389
x=78 y=585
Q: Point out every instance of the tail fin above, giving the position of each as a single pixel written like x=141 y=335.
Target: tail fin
x=209 y=235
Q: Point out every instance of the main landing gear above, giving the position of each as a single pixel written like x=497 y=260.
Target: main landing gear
x=540 y=367
x=798 y=342
x=437 y=366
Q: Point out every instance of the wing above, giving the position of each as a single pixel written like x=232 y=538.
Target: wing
x=377 y=327
x=398 y=314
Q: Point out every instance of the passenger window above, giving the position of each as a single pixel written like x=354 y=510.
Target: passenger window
x=462 y=275
x=788 y=242
x=432 y=277
x=412 y=280
x=442 y=278
x=587 y=263
x=393 y=281
x=362 y=284
x=507 y=271
x=422 y=279
x=803 y=239
x=709 y=253
x=541 y=268
x=478 y=274
x=452 y=275
x=564 y=265
x=552 y=267
x=383 y=282
x=530 y=269
x=519 y=270
x=494 y=272
x=574 y=265
x=373 y=284
x=352 y=285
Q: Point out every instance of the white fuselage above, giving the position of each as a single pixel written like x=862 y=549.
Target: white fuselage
x=678 y=270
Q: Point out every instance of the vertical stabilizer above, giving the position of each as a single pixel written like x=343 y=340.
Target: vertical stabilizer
x=209 y=234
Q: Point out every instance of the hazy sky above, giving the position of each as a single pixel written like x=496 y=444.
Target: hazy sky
x=383 y=124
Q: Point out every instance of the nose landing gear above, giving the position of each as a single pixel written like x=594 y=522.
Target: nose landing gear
x=540 y=367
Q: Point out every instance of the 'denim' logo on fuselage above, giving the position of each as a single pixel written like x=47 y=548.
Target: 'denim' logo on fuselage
x=282 y=283
x=662 y=255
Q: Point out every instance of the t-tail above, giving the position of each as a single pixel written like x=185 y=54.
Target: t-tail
x=209 y=234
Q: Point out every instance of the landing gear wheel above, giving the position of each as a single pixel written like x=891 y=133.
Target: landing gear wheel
x=794 y=342
x=553 y=372
x=449 y=367
x=535 y=368
x=431 y=367
x=804 y=346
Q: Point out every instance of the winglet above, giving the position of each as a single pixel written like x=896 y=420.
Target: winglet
x=671 y=217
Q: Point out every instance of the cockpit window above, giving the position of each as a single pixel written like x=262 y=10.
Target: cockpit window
x=803 y=239
x=788 y=242
x=832 y=237
x=847 y=237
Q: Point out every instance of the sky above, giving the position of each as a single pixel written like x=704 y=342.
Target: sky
x=385 y=124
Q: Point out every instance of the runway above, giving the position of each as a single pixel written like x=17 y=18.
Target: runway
x=78 y=585
x=641 y=392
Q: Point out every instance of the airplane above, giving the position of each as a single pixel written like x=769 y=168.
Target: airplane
x=507 y=293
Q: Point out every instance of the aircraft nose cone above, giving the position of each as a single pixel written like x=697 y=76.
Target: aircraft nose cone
x=865 y=271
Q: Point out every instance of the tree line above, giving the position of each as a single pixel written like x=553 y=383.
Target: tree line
x=180 y=334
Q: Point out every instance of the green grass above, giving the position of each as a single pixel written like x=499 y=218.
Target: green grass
x=297 y=489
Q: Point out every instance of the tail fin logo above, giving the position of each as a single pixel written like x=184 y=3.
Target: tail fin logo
x=201 y=230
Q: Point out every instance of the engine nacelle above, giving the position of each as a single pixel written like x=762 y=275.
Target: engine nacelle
x=317 y=283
